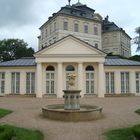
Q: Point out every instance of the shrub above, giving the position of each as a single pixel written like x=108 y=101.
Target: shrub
x=6 y=133
x=136 y=131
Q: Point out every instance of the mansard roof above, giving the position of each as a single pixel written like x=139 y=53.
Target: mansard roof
x=108 y=26
x=77 y=10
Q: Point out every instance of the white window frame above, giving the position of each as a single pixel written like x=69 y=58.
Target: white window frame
x=30 y=82
x=125 y=82
x=137 y=75
x=15 y=82
x=2 y=82
x=110 y=85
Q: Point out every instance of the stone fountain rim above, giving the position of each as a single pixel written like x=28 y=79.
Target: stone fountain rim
x=56 y=107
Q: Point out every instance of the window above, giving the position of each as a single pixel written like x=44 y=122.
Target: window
x=124 y=82
x=50 y=80
x=54 y=26
x=65 y=25
x=89 y=79
x=50 y=28
x=30 y=82
x=46 y=33
x=137 y=82
x=2 y=82
x=15 y=82
x=76 y=27
x=85 y=28
x=95 y=31
x=42 y=34
x=109 y=82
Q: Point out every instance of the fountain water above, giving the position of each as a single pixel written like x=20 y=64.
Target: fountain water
x=71 y=110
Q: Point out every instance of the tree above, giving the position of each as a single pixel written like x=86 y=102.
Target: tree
x=11 y=49
x=137 y=38
x=135 y=58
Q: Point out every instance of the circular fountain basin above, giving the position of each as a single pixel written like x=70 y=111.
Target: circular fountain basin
x=86 y=113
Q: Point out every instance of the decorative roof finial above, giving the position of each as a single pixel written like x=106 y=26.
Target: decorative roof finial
x=69 y=1
x=78 y=1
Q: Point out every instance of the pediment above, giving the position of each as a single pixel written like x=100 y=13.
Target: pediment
x=71 y=46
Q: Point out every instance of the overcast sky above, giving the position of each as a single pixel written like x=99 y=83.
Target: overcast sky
x=22 y=18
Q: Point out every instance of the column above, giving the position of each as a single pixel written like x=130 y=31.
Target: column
x=117 y=80
x=101 y=80
x=39 y=81
x=132 y=83
x=80 y=78
x=59 y=80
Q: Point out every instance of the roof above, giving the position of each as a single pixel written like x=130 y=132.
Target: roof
x=108 y=26
x=115 y=61
x=23 y=62
x=77 y=10
x=109 y=61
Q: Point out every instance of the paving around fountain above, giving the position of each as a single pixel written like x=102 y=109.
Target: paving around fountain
x=118 y=112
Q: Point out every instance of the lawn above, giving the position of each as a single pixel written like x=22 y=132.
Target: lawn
x=4 y=112
x=120 y=134
x=8 y=132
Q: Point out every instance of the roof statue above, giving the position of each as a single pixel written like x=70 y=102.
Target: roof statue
x=69 y=1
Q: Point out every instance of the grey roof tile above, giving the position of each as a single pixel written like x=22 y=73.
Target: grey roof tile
x=19 y=62
x=120 y=62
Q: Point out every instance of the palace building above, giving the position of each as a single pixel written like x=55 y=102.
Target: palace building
x=77 y=40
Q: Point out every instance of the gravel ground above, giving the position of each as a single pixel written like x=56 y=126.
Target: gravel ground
x=118 y=112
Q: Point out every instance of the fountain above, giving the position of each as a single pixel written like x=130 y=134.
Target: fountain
x=71 y=110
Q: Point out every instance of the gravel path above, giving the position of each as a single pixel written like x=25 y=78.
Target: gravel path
x=118 y=112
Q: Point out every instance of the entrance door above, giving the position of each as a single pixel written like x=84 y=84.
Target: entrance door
x=50 y=80
x=89 y=80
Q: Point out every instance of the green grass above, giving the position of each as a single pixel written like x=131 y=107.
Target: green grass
x=120 y=134
x=19 y=133
x=4 y=112
x=137 y=111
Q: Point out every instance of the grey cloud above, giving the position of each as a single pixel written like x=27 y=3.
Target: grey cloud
x=16 y=12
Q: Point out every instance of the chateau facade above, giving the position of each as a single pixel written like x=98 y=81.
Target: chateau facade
x=74 y=40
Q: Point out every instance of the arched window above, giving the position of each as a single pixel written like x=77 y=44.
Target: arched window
x=70 y=68
x=89 y=79
x=50 y=68
x=50 y=80
x=89 y=68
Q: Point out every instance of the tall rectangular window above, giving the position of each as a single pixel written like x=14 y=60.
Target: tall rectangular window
x=124 y=82
x=30 y=82
x=137 y=82
x=76 y=27
x=15 y=82
x=2 y=82
x=65 y=25
x=85 y=28
x=54 y=26
x=109 y=82
x=95 y=31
